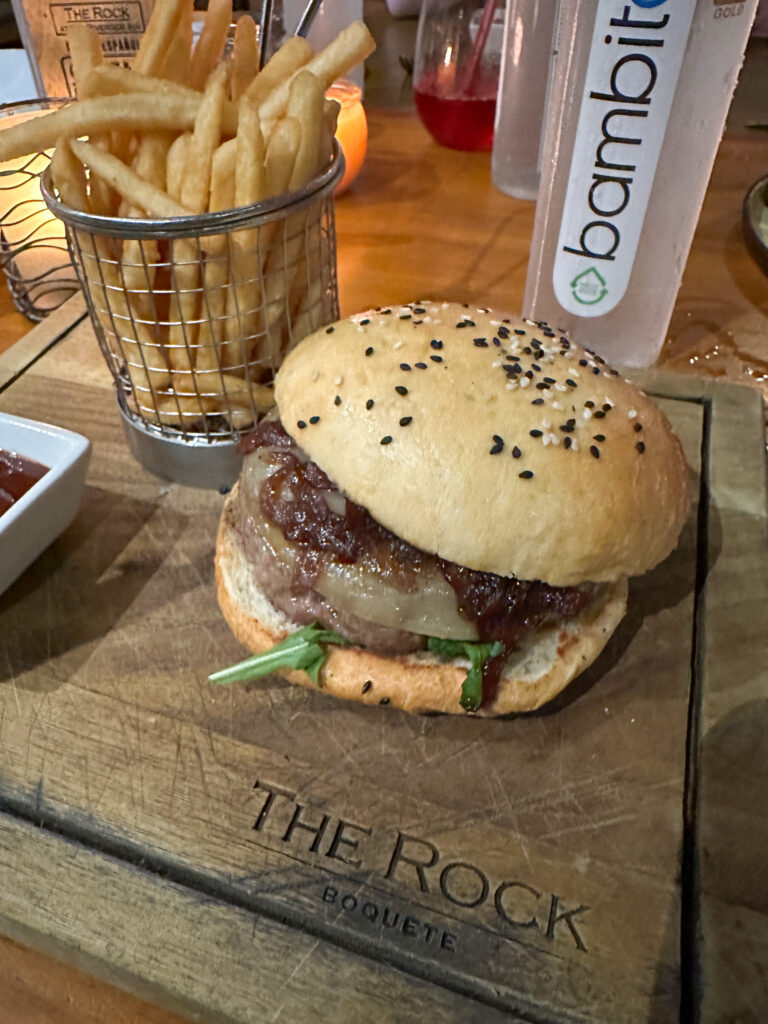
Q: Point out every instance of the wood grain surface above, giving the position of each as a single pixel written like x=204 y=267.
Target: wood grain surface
x=110 y=733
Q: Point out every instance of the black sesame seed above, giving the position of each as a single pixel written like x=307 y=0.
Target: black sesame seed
x=637 y=427
x=607 y=406
x=337 y=400
x=529 y=374
x=565 y=343
x=598 y=437
x=314 y=419
x=420 y=366
x=516 y=453
x=497 y=342
x=435 y=343
x=405 y=316
x=599 y=414
x=538 y=401
x=566 y=442
x=417 y=322
x=405 y=420
x=568 y=428
x=528 y=350
x=481 y=343
x=405 y=366
x=583 y=362
x=590 y=404
x=436 y=359
x=369 y=350
x=503 y=332
x=640 y=446
x=525 y=475
x=498 y=445
x=401 y=389
x=329 y=330
x=384 y=700
x=300 y=424
x=571 y=383
x=596 y=370
x=367 y=685
x=519 y=330
x=549 y=380
x=419 y=309
x=594 y=450
x=536 y=433
x=537 y=368
x=366 y=321
x=369 y=404
x=541 y=386
x=386 y=440
x=599 y=359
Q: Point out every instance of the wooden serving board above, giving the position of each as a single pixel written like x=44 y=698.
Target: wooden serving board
x=266 y=853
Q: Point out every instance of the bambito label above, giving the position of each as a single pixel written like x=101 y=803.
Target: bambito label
x=634 y=62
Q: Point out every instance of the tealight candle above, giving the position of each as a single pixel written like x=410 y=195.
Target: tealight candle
x=34 y=257
x=351 y=129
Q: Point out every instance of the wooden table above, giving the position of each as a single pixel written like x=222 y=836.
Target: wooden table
x=420 y=221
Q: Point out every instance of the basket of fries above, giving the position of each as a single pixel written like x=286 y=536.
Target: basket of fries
x=197 y=193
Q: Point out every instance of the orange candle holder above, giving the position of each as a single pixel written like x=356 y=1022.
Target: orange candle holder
x=351 y=129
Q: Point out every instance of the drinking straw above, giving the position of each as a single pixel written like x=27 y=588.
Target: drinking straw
x=481 y=38
x=307 y=17
x=264 y=31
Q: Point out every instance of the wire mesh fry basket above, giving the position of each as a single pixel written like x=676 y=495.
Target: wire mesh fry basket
x=195 y=314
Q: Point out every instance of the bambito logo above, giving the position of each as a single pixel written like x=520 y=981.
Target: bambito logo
x=634 y=62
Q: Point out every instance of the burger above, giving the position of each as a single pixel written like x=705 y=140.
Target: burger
x=444 y=510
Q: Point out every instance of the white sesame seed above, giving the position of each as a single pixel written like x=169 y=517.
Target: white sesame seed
x=554 y=439
x=587 y=414
x=574 y=445
x=632 y=414
x=560 y=387
x=546 y=424
x=545 y=439
x=398 y=343
x=511 y=385
x=524 y=382
x=557 y=405
x=338 y=380
x=315 y=375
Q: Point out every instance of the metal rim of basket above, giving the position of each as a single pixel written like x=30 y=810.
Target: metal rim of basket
x=215 y=223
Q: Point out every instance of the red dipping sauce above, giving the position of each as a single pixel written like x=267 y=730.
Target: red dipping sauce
x=17 y=475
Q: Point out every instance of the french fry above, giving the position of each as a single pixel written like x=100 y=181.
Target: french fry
x=205 y=138
x=175 y=66
x=68 y=176
x=139 y=192
x=305 y=105
x=93 y=116
x=216 y=266
x=210 y=45
x=163 y=24
x=292 y=55
x=111 y=80
x=350 y=46
x=176 y=165
x=245 y=56
x=85 y=52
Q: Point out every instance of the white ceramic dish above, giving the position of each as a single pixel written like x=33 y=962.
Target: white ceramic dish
x=50 y=505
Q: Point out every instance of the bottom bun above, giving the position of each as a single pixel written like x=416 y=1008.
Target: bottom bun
x=543 y=665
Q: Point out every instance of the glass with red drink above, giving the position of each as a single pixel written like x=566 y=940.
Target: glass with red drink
x=456 y=70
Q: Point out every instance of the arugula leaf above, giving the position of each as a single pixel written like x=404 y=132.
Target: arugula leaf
x=472 y=687
x=305 y=649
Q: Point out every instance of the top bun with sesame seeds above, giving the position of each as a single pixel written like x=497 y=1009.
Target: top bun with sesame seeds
x=489 y=440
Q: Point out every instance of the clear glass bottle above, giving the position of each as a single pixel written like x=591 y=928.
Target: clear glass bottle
x=638 y=100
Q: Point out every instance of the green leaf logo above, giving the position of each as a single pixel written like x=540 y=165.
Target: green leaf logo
x=589 y=287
